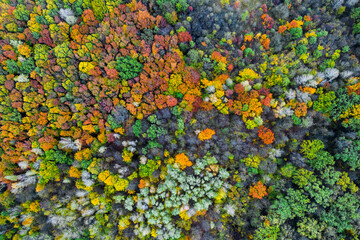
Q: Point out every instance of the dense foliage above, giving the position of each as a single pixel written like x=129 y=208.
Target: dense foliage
x=179 y=119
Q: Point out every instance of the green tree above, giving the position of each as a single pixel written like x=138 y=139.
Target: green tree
x=267 y=233
x=58 y=157
x=288 y=170
x=350 y=155
x=128 y=67
x=343 y=102
x=311 y=147
x=303 y=177
x=12 y=67
x=27 y=66
x=63 y=54
x=320 y=193
x=294 y=204
x=112 y=122
x=355 y=14
x=324 y=102
x=296 y=32
x=329 y=175
x=301 y=49
x=342 y=212
x=311 y=228
x=21 y=13
x=48 y=171
x=146 y=170
x=352 y=123
x=170 y=5
x=137 y=128
x=99 y=8
x=41 y=54
x=321 y=160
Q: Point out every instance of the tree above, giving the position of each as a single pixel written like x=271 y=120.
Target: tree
x=311 y=228
x=128 y=67
x=21 y=13
x=183 y=161
x=303 y=177
x=27 y=66
x=321 y=160
x=63 y=54
x=206 y=134
x=99 y=8
x=41 y=54
x=343 y=102
x=48 y=171
x=324 y=102
x=266 y=135
x=137 y=128
x=350 y=155
x=355 y=14
x=294 y=204
x=342 y=213
x=311 y=147
x=12 y=67
x=258 y=190
x=58 y=157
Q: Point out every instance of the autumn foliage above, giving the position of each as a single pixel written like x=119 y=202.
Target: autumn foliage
x=266 y=135
x=258 y=190
x=102 y=97
x=183 y=160
x=206 y=134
